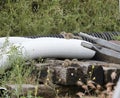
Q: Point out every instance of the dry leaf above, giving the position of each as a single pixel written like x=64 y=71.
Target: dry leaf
x=91 y=84
x=85 y=87
x=99 y=87
x=109 y=86
x=113 y=75
x=80 y=94
x=79 y=83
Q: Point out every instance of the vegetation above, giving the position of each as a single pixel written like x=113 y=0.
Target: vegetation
x=43 y=17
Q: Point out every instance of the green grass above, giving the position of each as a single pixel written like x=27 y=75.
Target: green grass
x=43 y=17
x=18 y=72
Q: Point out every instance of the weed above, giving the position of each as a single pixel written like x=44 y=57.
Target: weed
x=43 y=17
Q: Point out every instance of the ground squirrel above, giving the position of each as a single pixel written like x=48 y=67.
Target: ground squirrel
x=69 y=36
